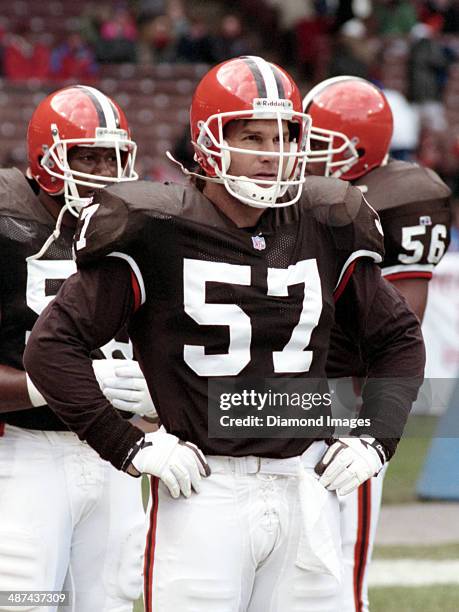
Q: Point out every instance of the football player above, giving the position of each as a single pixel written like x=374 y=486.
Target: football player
x=233 y=278
x=351 y=134
x=68 y=519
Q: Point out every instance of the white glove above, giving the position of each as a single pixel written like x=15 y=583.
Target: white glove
x=124 y=385
x=349 y=462
x=36 y=398
x=178 y=464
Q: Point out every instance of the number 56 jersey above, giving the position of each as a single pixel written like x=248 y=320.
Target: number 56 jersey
x=215 y=300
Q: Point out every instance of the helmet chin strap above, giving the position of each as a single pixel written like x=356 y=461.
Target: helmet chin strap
x=187 y=172
x=239 y=189
x=73 y=201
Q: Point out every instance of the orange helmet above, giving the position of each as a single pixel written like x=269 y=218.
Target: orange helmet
x=70 y=117
x=249 y=88
x=352 y=126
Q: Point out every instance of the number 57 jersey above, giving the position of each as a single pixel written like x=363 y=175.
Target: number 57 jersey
x=215 y=300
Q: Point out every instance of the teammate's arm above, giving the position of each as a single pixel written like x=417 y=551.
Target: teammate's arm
x=90 y=308
x=88 y=311
x=415 y=291
x=390 y=340
x=14 y=394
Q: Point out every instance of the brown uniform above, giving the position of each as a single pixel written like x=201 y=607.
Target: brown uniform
x=413 y=204
x=206 y=299
x=28 y=285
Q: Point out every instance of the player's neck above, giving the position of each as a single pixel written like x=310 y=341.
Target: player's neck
x=239 y=213
x=53 y=206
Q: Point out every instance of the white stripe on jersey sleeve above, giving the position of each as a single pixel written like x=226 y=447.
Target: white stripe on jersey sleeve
x=135 y=268
x=416 y=267
x=376 y=257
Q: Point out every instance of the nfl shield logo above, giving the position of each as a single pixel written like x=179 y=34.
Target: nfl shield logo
x=426 y=220
x=259 y=243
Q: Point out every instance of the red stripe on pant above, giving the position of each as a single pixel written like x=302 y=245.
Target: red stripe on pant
x=363 y=539
x=150 y=547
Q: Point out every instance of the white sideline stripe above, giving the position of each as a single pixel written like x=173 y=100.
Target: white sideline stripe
x=412 y=572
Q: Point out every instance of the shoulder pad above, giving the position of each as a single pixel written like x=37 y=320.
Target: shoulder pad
x=17 y=199
x=402 y=183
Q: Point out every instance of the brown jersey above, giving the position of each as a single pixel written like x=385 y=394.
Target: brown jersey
x=28 y=284
x=211 y=300
x=413 y=204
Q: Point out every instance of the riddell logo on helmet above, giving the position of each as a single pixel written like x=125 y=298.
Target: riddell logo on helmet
x=283 y=104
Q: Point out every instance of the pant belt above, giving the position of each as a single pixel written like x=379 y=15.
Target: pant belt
x=221 y=464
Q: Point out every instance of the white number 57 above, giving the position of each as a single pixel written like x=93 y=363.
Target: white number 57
x=292 y=359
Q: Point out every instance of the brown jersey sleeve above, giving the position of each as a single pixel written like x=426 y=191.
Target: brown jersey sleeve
x=416 y=236
x=88 y=311
x=377 y=319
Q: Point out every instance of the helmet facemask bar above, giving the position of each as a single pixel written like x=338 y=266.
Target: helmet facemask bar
x=57 y=156
x=326 y=154
x=259 y=193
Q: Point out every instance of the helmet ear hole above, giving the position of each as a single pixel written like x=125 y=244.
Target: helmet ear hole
x=360 y=152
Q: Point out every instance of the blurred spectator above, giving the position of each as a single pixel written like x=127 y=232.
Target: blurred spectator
x=156 y=41
x=91 y=20
x=353 y=53
x=451 y=17
x=405 y=138
x=196 y=44
x=24 y=57
x=147 y=10
x=117 y=38
x=313 y=45
x=73 y=59
x=231 y=42
x=290 y=14
x=394 y=17
x=427 y=65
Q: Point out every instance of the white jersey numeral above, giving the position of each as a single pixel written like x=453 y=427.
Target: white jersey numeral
x=293 y=358
x=437 y=244
x=41 y=270
x=85 y=215
x=196 y=274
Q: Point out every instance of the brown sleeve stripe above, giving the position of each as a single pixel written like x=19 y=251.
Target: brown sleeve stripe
x=150 y=547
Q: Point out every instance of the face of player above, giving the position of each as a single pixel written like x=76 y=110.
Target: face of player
x=260 y=135
x=316 y=168
x=92 y=160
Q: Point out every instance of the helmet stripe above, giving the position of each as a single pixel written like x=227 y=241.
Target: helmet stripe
x=259 y=81
x=267 y=75
x=278 y=76
x=102 y=105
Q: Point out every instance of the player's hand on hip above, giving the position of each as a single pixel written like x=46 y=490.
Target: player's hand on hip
x=349 y=462
x=124 y=385
x=180 y=465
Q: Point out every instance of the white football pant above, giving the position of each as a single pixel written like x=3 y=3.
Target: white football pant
x=232 y=547
x=68 y=521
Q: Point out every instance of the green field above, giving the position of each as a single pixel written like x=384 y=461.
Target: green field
x=404 y=468
x=439 y=598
